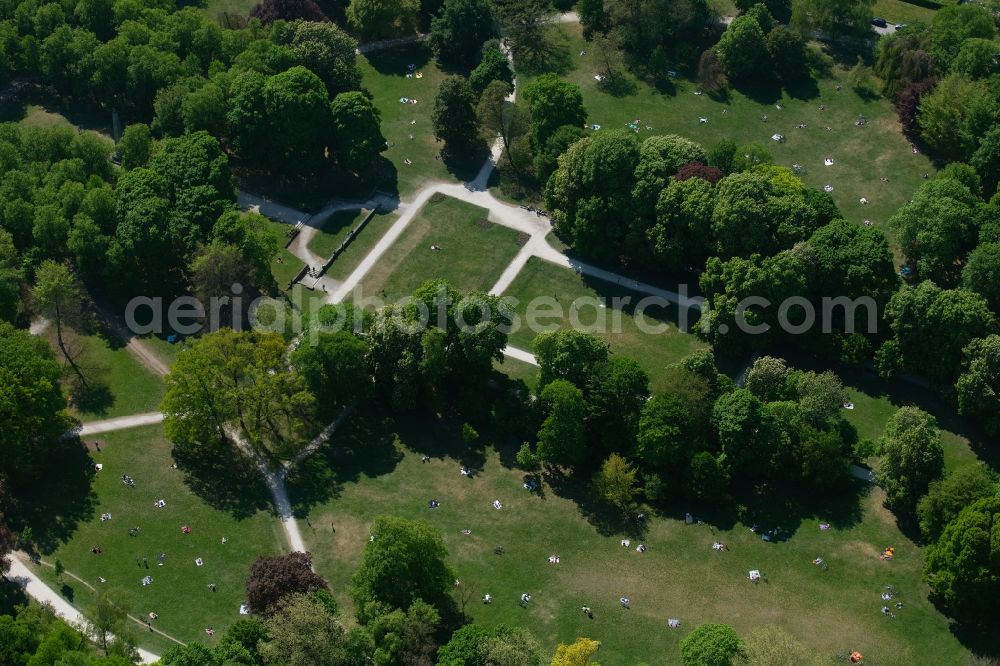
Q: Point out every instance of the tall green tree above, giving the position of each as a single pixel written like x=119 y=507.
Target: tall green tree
x=32 y=406
x=460 y=29
x=930 y=328
x=912 y=457
x=562 y=437
x=229 y=380
x=553 y=103
x=403 y=562
x=962 y=567
x=377 y=19
x=615 y=482
x=946 y=497
x=568 y=354
x=743 y=49
x=711 y=645
x=978 y=387
x=357 y=135
x=298 y=120
x=454 y=116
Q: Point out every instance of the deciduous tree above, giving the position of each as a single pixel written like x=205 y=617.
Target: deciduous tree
x=912 y=457
x=272 y=579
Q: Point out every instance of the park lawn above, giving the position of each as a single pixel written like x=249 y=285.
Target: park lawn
x=362 y=244
x=334 y=230
x=179 y=593
x=384 y=74
x=901 y=11
x=862 y=155
x=120 y=384
x=654 y=352
x=285 y=265
x=833 y=611
x=474 y=252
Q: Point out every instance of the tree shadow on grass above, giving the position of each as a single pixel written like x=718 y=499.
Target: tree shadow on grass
x=93 y=398
x=803 y=88
x=980 y=639
x=465 y=165
x=607 y=519
x=761 y=91
x=224 y=478
x=619 y=85
x=550 y=54
x=362 y=446
x=397 y=60
x=60 y=498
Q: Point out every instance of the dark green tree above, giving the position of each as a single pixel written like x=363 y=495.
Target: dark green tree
x=553 y=103
x=403 y=562
x=357 y=136
x=912 y=457
x=962 y=567
x=562 y=437
x=454 y=116
x=460 y=29
x=946 y=498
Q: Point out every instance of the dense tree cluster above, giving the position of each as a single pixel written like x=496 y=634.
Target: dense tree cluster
x=943 y=76
x=34 y=635
x=694 y=438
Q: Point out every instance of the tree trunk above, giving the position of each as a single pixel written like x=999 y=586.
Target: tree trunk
x=65 y=352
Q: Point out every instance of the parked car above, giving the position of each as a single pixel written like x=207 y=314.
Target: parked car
x=880 y=22
x=900 y=26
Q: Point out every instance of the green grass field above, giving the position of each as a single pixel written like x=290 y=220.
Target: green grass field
x=385 y=75
x=119 y=383
x=334 y=230
x=862 y=155
x=473 y=252
x=372 y=472
x=654 y=351
x=361 y=246
x=901 y=11
x=179 y=593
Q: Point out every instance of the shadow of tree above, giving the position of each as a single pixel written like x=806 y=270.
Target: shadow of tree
x=619 y=85
x=362 y=446
x=465 y=165
x=398 y=59
x=550 y=54
x=607 y=519
x=59 y=498
x=94 y=397
x=224 y=478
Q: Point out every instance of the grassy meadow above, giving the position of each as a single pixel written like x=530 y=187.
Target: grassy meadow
x=474 y=252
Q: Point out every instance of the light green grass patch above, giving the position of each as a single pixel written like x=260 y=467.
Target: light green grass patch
x=119 y=384
x=654 y=351
x=473 y=254
x=179 y=593
x=901 y=11
x=833 y=611
x=362 y=244
x=334 y=231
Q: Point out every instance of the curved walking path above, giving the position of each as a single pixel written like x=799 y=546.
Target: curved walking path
x=34 y=587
